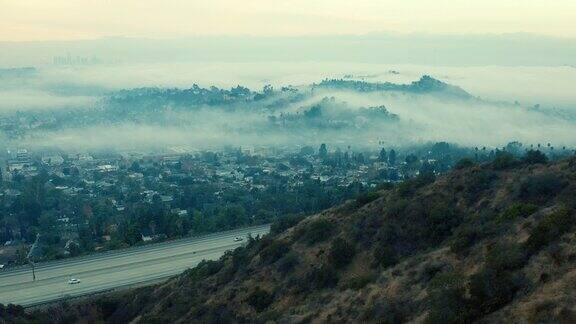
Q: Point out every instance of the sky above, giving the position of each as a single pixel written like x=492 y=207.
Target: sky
x=40 y=20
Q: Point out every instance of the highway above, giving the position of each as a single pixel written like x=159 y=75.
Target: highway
x=115 y=269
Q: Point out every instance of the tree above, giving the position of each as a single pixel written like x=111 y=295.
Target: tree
x=464 y=163
x=323 y=151
x=267 y=90
x=534 y=157
x=383 y=157
x=392 y=157
x=503 y=160
x=135 y=167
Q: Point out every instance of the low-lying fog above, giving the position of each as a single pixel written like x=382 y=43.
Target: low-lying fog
x=505 y=113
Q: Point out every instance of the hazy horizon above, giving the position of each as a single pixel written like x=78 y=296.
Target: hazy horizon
x=511 y=49
x=66 y=20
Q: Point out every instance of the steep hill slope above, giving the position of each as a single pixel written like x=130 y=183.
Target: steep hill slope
x=491 y=243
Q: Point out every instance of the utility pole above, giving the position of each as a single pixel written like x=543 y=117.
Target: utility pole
x=33 y=270
x=31 y=254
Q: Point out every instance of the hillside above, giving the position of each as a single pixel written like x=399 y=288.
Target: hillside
x=425 y=85
x=489 y=243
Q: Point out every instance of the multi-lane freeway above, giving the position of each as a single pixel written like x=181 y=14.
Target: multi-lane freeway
x=116 y=269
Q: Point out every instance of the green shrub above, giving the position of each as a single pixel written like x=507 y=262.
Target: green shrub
x=274 y=251
x=386 y=311
x=463 y=239
x=107 y=307
x=534 y=157
x=504 y=160
x=341 y=252
x=316 y=231
x=204 y=269
x=454 y=299
x=288 y=263
x=359 y=281
x=366 y=198
x=240 y=258
x=505 y=257
x=13 y=310
x=464 y=164
x=442 y=219
x=260 y=299
x=321 y=277
x=497 y=283
x=491 y=289
x=409 y=187
x=284 y=223
x=517 y=210
x=550 y=228
x=539 y=189
x=446 y=296
x=385 y=256
x=477 y=182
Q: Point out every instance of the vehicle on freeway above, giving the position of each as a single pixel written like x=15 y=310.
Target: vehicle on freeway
x=1 y=266
x=73 y=281
x=238 y=239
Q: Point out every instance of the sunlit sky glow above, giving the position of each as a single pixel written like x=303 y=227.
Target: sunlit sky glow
x=28 y=20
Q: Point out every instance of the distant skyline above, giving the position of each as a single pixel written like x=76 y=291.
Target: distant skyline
x=40 y=20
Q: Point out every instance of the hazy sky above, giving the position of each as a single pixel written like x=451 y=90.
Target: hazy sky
x=23 y=20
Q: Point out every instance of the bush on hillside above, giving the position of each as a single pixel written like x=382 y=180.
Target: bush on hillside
x=541 y=188
x=316 y=231
x=441 y=221
x=13 y=310
x=274 y=251
x=505 y=257
x=496 y=284
x=260 y=299
x=385 y=255
x=550 y=228
x=288 y=263
x=490 y=290
x=409 y=187
x=341 y=252
x=385 y=186
x=517 y=210
x=477 y=182
x=204 y=269
x=321 y=277
x=386 y=311
x=446 y=297
x=504 y=160
x=366 y=198
x=284 y=223
x=359 y=281
x=463 y=239
x=107 y=307
x=534 y=157
x=464 y=163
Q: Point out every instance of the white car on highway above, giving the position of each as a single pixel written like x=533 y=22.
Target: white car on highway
x=73 y=281
x=238 y=239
